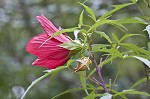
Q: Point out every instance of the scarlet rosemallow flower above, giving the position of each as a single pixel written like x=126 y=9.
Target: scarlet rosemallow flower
x=48 y=51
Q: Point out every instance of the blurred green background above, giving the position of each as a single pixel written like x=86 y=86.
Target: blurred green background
x=18 y=24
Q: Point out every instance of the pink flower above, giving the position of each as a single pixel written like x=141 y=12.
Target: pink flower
x=49 y=53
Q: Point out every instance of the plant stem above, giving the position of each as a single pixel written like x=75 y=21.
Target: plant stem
x=99 y=73
x=96 y=65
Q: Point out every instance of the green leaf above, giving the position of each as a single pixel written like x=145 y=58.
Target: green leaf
x=41 y=78
x=113 y=52
x=138 y=82
x=92 y=95
x=122 y=96
x=104 y=35
x=134 y=1
x=137 y=50
x=145 y=18
x=145 y=61
x=130 y=20
x=148 y=45
x=148 y=30
x=73 y=52
x=70 y=62
x=132 y=91
x=83 y=80
x=71 y=45
x=115 y=38
x=104 y=21
x=63 y=31
x=70 y=90
x=81 y=19
x=91 y=86
x=128 y=35
x=116 y=8
x=89 y=10
x=97 y=47
x=107 y=96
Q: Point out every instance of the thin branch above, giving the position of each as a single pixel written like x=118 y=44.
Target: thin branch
x=97 y=68
x=99 y=73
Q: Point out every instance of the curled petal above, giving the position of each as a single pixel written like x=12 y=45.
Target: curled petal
x=49 y=63
x=50 y=29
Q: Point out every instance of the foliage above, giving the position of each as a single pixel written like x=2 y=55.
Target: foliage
x=113 y=50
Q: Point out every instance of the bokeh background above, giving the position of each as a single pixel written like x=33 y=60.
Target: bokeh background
x=18 y=24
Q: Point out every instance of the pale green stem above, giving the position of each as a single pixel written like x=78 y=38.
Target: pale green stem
x=34 y=82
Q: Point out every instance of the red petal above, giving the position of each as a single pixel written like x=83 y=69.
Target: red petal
x=49 y=48
x=49 y=63
x=50 y=29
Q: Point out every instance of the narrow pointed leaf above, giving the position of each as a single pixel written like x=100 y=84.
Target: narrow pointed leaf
x=64 y=31
x=92 y=95
x=116 y=8
x=135 y=49
x=139 y=82
x=70 y=62
x=132 y=91
x=127 y=36
x=89 y=10
x=134 y=1
x=130 y=20
x=98 y=47
x=104 y=21
x=115 y=38
x=83 y=80
x=144 y=18
x=104 y=35
x=70 y=90
x=81 y=19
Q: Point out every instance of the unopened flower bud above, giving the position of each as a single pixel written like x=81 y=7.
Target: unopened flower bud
x=83 y=64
